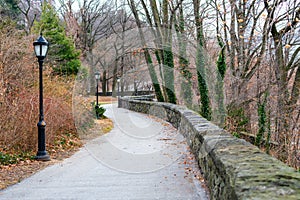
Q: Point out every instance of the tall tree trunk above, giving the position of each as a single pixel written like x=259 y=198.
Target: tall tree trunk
x=296 y=88
x=147 y=55
x=168 y=59
x=104 y=82
x=205 y=109
x=114 y=81
x=156 y=30
x=186 y=83
x=163 y=42
x=92 y=71
x=221 y=67
x=169 y=73
x=282 y=92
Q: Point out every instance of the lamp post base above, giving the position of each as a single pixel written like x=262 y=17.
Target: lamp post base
x=42 y=156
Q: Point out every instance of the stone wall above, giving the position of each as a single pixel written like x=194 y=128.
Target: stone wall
x=232 y=167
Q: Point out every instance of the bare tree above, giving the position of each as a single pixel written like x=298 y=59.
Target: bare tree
x=243 y=31
x=95 y=23
x=261 y=39
x=91 y=23
x=31 y=10
x=283 y=26
x=124 y=23
x=146 y=51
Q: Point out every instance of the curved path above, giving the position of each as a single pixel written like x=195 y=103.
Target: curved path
x=141 y=158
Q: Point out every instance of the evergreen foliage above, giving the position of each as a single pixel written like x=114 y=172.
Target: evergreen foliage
x=62 y=53
x=9 y=8
x=99 y=111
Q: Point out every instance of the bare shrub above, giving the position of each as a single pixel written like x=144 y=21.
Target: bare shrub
x=19 y=100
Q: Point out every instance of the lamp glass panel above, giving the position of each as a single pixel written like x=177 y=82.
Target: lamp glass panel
x=44 y=50
x=97 y=76
x=37 y=50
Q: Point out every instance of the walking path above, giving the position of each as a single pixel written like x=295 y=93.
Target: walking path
x=141 y=158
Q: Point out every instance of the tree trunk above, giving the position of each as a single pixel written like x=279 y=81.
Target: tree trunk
x=221 y=67
x=186 y=84
x=114 y=81
x=104 y=88
x=205 y=109
x=296 y=88
x=147 y=55
x=168 y=60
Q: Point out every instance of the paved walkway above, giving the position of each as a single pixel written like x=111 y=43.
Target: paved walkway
x=141 y=158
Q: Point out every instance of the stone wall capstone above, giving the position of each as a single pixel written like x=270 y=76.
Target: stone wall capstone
x=232 y=167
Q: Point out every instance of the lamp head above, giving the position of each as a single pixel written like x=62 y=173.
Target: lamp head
x=41 y=47
x=97 y=75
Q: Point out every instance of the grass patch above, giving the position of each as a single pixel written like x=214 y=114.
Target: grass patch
x=8 y=159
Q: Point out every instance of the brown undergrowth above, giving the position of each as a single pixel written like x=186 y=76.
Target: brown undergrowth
x=64 y=146
x=19 y=109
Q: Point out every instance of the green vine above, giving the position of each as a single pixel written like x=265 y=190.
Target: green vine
x=221 y=66
x=236 y=121
x=205 y=110
x=262 y=119
x=221 y=63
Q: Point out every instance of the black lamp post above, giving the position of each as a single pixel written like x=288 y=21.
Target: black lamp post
x=41 y=48
x=97 y=76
